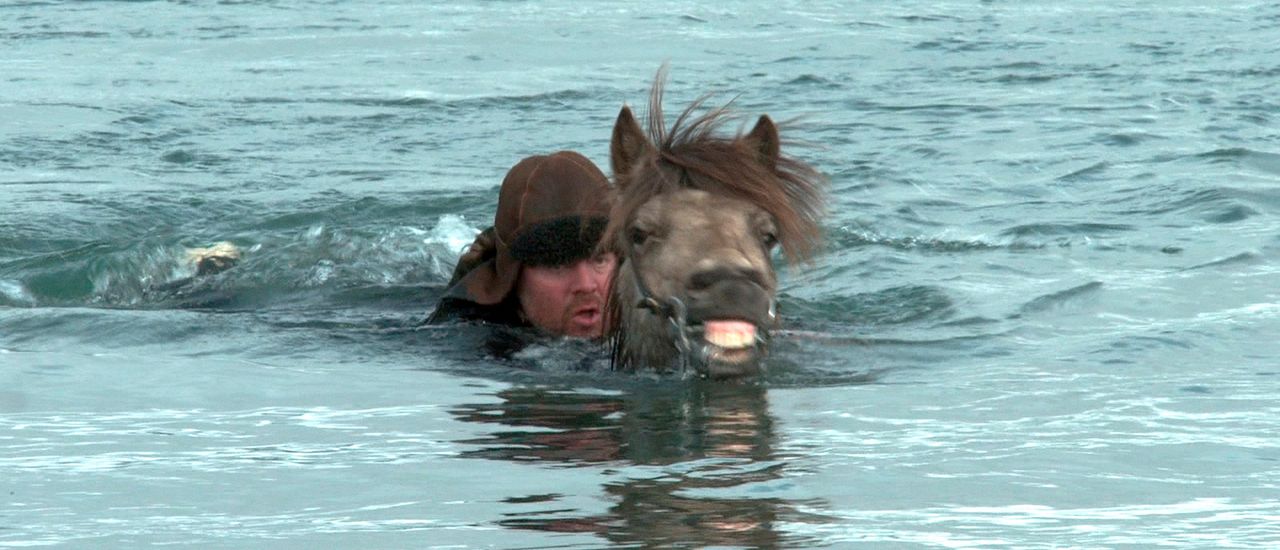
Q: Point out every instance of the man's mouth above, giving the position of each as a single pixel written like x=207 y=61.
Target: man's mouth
x=586 y=316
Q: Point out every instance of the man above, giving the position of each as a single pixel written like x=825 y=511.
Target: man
x=538 y=265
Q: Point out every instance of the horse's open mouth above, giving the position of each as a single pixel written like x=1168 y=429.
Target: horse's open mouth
x=733 y=348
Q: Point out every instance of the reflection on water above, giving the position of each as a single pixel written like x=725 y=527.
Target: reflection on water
x=689 y=465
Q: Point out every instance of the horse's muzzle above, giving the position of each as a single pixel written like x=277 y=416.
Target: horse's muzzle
x=729 y=320
x=728 y=349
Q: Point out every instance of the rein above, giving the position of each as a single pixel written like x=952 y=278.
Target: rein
x=672 y=309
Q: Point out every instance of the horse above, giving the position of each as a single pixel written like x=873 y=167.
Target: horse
x=696 y=220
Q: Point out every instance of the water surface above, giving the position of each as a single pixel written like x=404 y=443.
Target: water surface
x=1045 y=315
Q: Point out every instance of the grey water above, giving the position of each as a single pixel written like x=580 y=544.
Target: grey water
x=1045 y=316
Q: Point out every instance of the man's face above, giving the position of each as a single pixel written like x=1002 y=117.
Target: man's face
x=569 y=299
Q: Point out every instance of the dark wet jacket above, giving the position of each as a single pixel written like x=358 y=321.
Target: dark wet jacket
x=457 y=304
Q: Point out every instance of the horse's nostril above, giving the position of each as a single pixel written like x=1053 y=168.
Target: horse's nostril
x=703 y=280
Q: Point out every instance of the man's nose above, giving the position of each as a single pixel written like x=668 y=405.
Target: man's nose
x=585 y=277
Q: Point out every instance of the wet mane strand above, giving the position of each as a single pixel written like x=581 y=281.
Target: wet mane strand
x=690 y=154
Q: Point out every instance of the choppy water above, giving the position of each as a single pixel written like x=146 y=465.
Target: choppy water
x=1047 y=315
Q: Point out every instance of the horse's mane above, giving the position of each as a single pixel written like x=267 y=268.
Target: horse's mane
x=692 y=154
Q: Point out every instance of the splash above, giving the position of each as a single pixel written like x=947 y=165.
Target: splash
x=14 y=293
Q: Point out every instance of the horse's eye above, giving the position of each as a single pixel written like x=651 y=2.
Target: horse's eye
x=638 y=236
x=770 y=240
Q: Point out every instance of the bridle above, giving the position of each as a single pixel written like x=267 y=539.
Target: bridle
x=671 y=309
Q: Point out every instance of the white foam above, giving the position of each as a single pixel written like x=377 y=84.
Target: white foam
x=453 y=234
x=15 y=292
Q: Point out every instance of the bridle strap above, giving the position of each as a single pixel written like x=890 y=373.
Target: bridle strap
x=672 y=309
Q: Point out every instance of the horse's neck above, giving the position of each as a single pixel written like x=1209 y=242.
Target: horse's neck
x=643 y=339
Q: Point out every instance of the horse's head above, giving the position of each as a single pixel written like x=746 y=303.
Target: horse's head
x=697 y=220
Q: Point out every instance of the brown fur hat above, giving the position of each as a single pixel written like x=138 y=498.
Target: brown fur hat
x=551 y=211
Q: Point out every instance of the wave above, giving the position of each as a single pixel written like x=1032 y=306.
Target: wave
x=1060 y=298
x=1217 y=204
x=422 y=98
x=1262 y=161
x=1064 y=228
x=280 y=263
x=847 y=238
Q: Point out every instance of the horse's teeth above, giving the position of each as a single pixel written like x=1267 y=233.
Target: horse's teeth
x=730 y=334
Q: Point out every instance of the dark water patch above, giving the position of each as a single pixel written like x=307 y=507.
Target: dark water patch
x=1094 y=109
x=1125 y=139
x=379 y=119
x=178 y=156
x=222 y=31
x=936 y=108
x=1021 y=66
x=31 y=36
x=1264 y=161
x=1093 y=172
x=1218 y=205
x=56 y=277
x=547 y=497
x=1230 y=214
x=1162 y=49
x=1260 y=160
x=59 y=182
x=1049 y=229
x=389 y=296
x=1199 y=390
x=1016 y=79
x=335 y=207
x=362 y=175
x=891 y=306
x=1227 y=154
x=692 y=18
x=908 y=214
x=930 y=18
x=1128 y=345
x=965 y=45
x=17 y=5
x=537 y=100
x=811 y=80
x=1259 y=119
x=1060 y=299
x=1023 y=73
x=933 y=202
x=970 y=322
x=867 y=24
x=1243 y=258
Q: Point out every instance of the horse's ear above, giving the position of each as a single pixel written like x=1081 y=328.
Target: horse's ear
x=765 y=141
x=628 y=145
